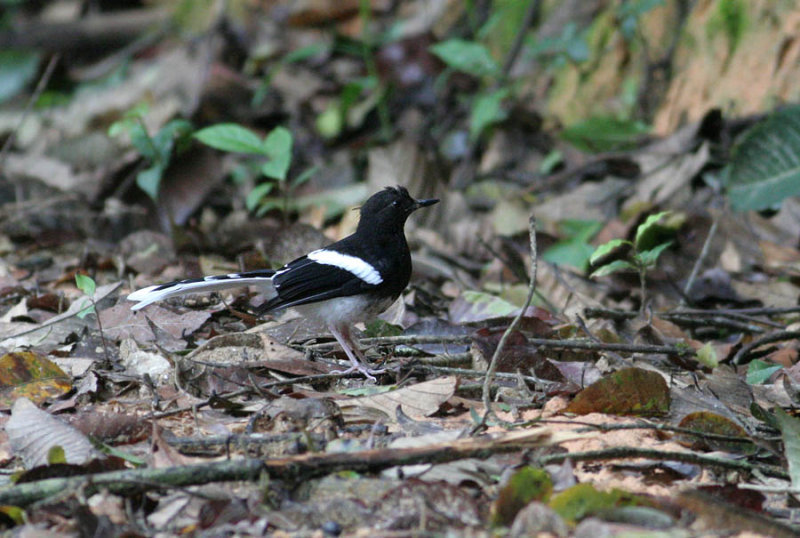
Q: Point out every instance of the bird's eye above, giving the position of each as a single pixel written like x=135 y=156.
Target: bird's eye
x=396 y=203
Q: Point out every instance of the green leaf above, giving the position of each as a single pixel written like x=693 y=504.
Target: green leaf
x=525 y=485
x=17 y=69
x=648 y=258
x=550 y=161
x=648 y=229
x=571 y=45
x=607 y=249
x=254 y=196
x=604 y=134
x=790 y=431
x=304 y=53
x=278 y=147
x=141 y=140
x=466 y=56
x=268 y=204
x=86 y=308
x=330 y=122
x=759 y=371
x=486 y=110
x=578 y=229
x=707 y=356
x=378 y=328
x=86 y=284
x=307 y=174
x=231 y=137
x=571 y=252
x=56 y=455
x=150 y=180
x=166 y=137
x=613 y=267
x=764 y=168
x=487 y=306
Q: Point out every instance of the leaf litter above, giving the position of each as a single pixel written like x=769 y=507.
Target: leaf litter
x=624 y=390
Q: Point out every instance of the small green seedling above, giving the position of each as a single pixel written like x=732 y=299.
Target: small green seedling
x=276 y=147
x=88 y=286
x=641 y=254
x=156 y=149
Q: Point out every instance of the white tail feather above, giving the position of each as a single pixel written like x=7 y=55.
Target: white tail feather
x=152 y=294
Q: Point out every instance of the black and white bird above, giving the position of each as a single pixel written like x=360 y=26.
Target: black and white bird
x=351 y=280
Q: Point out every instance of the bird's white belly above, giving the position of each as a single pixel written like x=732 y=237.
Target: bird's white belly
x=345 y=310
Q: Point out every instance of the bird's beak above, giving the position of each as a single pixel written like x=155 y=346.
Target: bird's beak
x=426 y=203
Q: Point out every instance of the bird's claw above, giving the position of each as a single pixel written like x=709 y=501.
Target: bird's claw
x=368 y=372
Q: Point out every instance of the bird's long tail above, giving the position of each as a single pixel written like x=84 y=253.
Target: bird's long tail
x=151 y=294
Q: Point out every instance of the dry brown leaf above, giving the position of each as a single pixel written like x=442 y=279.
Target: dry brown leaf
x=33 y=432
x=420 y=400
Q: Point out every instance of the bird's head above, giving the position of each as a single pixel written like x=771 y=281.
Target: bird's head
x=389 y=208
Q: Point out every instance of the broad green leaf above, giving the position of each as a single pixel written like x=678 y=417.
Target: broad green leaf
x=486 y=110
x=231 y=137
x=607 y=248
x=571 y=252
x=648 y=258
x=278 y=147
x=759 y=371
x=647 y=229
x=254 y=196
x=150 y=180
x=17 y=69
x=764 y=168
x=613 y=267
x=790 y=431
x=86 y=284
x=604 y=134
x=466 y=56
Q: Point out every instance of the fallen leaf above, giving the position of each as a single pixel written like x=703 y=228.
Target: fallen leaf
x=630 y=391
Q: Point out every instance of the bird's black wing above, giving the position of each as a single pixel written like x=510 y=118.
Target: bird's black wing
x=306 y=281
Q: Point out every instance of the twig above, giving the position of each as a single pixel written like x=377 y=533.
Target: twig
x=40 y=87
x=624 y=452
x=531 y=14
x=701 y=259
x=296 y=468
x=541 y=342
x=778 y=336
x=490 y=371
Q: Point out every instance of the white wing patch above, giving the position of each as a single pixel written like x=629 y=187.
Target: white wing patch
x=351 y=264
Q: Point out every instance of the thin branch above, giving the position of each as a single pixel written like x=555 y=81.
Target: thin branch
x=294 y=468
x=701 y=259
x=37 y=92
x=624 y=452
x=490 y=371
x=778 y=336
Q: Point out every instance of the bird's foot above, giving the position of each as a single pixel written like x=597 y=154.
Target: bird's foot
x=368 y=372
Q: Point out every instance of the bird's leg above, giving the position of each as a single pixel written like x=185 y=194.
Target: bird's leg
x=357 y=359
